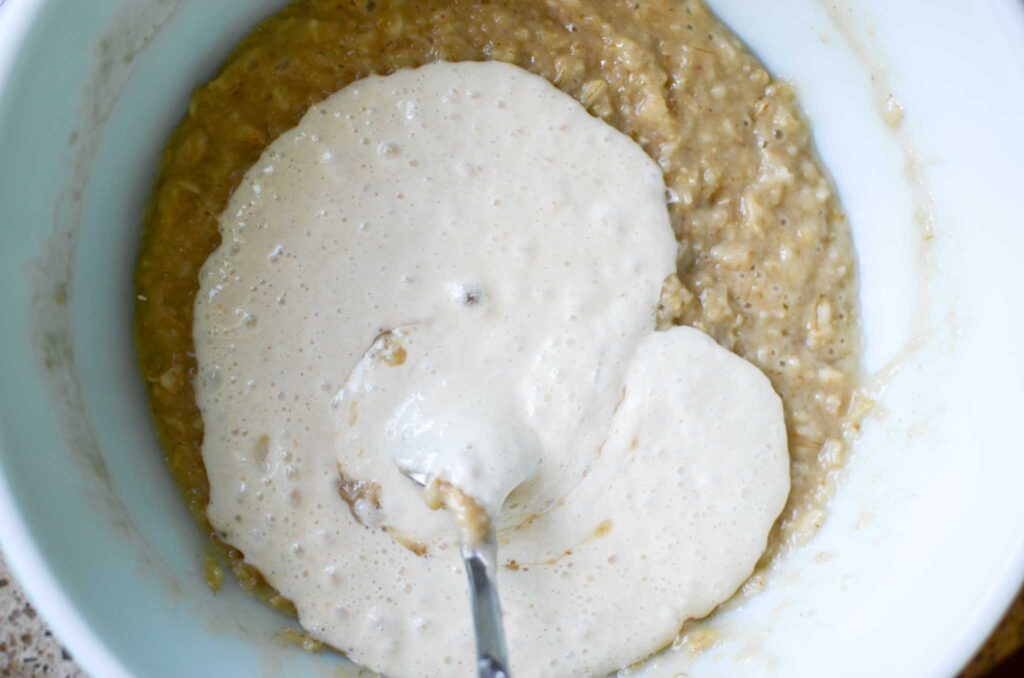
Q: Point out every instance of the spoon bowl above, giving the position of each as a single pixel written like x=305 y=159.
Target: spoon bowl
x=479 y=554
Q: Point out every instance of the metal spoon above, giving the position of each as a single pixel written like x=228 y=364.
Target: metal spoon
x=480 y=557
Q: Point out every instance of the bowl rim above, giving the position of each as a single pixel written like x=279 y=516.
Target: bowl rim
x=19 y=546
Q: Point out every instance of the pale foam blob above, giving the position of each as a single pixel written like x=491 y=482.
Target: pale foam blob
x=441 y=410
x=502 y=251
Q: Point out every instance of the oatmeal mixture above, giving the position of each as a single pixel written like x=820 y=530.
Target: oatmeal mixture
x=764 y=261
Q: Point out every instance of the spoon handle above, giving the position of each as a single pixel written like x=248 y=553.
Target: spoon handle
x=492 y=657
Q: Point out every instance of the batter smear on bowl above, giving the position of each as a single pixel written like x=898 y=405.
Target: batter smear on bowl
x=761 y=262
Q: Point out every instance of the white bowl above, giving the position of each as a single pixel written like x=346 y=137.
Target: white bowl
x=924 y=546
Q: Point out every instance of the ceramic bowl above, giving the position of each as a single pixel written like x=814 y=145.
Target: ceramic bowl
x=916 y=108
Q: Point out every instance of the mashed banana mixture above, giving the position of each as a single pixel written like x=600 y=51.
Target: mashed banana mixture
x=764 y=261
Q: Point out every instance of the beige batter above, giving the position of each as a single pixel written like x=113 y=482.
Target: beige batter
x=501 y=253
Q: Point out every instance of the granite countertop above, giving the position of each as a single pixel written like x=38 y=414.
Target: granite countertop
x=28 y=648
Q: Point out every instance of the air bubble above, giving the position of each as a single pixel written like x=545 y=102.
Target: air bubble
x=248 y=319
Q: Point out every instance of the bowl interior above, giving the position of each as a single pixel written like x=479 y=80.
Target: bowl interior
x=922 y=549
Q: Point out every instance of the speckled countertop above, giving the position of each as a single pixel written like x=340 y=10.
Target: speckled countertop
x=28 y=649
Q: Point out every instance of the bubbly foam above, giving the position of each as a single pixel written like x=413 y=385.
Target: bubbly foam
x=503 y=251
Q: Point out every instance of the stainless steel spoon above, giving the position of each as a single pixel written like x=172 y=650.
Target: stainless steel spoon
x=480 y=557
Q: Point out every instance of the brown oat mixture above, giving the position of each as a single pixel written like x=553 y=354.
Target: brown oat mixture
x=765 y=262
